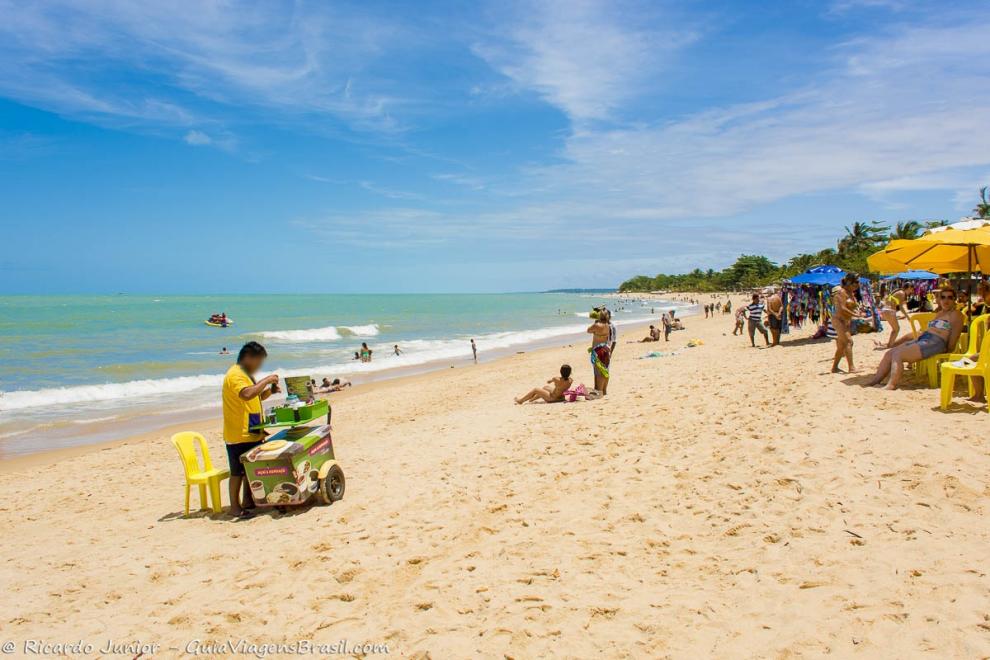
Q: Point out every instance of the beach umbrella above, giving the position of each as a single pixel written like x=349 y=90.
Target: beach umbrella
x=912 y=275
x=820 y=275
x=963 y=247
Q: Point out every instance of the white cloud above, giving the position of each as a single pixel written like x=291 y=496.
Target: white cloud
x=197 y=138
x=845 y=6
x=902 y=111
x=908 y=106
x=586 y=57
x=67 y=57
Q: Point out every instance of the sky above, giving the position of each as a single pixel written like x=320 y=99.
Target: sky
x=222 y=147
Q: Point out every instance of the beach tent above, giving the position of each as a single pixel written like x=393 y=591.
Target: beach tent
x=912 y=275
x=820 y=275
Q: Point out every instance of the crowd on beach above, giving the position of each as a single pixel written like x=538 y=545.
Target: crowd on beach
x=847 y=309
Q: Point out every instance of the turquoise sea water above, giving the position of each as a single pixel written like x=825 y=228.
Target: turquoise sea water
x=84 y=368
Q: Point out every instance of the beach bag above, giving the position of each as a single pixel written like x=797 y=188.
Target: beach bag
x=572 y=395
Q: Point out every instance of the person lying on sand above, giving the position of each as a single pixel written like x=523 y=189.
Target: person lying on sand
x=940 y=337
x=550 y=394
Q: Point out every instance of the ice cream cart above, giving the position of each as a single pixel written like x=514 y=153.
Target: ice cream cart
x=297 y=462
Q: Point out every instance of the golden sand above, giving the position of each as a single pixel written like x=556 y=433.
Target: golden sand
x=724 y=501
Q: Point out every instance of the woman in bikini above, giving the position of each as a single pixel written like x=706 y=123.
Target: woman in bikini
x=550 y=394
x=942 y=334
x=896 y=301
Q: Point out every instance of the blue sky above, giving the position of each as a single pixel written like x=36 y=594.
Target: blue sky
x=360 y=147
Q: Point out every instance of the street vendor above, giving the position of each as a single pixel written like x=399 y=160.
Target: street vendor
x=242 y=398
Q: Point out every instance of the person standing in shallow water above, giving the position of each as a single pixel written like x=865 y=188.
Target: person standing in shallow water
x=474 y=351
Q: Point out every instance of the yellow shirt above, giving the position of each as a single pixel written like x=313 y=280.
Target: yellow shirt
x=238 y=414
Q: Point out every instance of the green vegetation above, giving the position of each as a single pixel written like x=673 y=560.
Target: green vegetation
x=860 y=241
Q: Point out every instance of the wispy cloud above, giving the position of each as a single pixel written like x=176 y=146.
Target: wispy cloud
x=197 y=138
x=845 y=6
x=133 y=64
x=468 y=181
x=391 y=193
x=906 y=106
x=900 y=111
x=586 y=57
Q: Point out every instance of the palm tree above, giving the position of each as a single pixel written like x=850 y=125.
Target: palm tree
x=931 y=224
x=862 y=236
x=982 y=209
x=910 y=229
x=801 y=263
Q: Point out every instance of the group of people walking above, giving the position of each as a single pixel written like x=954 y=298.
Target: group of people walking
x=752 y=316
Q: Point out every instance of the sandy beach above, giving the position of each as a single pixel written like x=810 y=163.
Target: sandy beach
x=722 y=501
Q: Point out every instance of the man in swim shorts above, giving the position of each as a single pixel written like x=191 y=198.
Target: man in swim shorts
x=754 y=312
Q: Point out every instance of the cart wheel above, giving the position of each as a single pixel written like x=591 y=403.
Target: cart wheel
x=332 y=486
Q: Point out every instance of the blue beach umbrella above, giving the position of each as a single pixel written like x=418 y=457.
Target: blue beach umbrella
x=912 y=275
x=820 y=275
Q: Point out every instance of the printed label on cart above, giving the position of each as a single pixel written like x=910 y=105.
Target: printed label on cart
x=319 y=446
x=269 y=471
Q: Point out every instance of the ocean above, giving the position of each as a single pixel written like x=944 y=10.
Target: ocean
x=83 y=369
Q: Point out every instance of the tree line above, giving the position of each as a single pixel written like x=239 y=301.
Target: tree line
x=860 y=240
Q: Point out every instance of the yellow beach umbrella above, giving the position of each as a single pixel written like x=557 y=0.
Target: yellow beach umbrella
x=883 y=262
x=960 y=248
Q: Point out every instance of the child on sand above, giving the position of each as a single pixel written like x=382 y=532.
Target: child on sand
x=550 y=394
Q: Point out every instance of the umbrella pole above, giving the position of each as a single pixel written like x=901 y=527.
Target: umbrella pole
x=969 y=282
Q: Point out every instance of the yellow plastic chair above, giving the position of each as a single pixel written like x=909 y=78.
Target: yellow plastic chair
x=969 y=344
x=919 y=321
x=205 y=476
x=950 y=371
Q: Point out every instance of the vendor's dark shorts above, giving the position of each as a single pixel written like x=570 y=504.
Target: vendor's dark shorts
x=775 y=323
x=234 y=456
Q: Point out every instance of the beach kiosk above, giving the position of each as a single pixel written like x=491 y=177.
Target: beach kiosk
x=297 y=463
